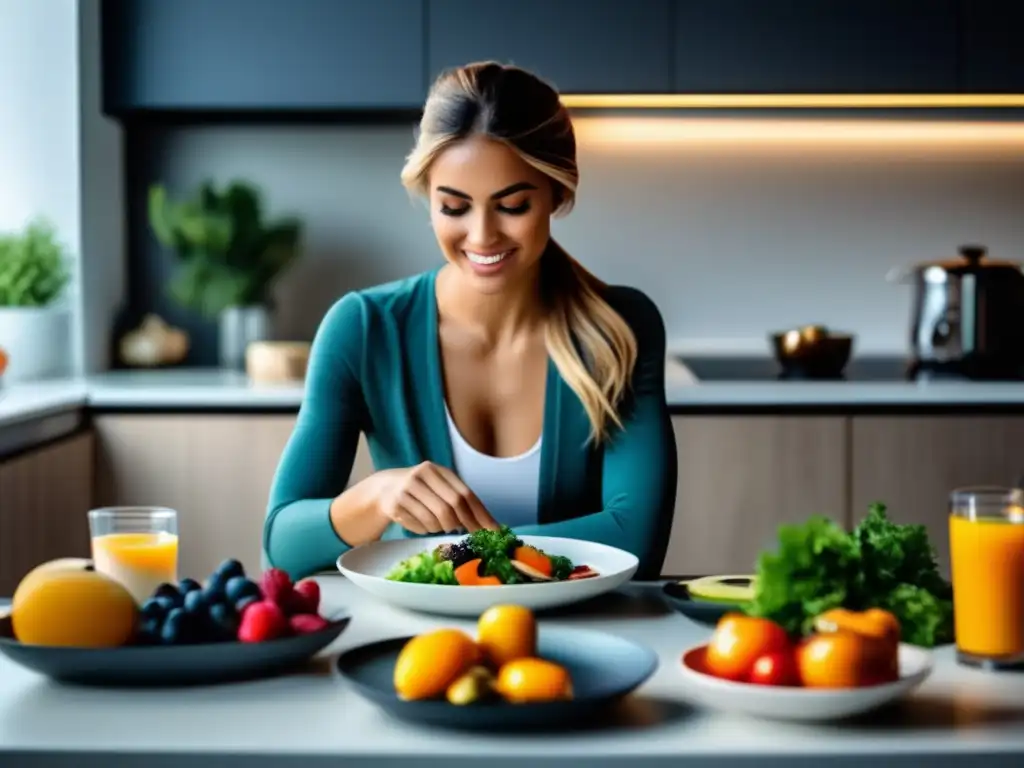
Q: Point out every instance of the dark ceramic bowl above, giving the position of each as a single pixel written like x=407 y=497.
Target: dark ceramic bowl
x=822 y=355
x=168 y=665
x=702 y=611
x=604 y=668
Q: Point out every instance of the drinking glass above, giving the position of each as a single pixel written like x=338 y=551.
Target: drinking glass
x=136 y=546
x=986 y=545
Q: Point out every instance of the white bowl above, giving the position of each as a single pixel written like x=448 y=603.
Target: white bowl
x=367 y=566
x=800 y=704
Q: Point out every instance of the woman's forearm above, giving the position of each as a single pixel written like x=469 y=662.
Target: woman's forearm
x=355 y=514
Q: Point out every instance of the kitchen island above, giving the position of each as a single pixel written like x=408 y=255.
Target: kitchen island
x=312 y=718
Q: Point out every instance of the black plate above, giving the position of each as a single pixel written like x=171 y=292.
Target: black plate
x=604 y=668
x=702 y=611
x=168 y=665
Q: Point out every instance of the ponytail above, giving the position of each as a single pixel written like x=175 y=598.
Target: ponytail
x=593 y=348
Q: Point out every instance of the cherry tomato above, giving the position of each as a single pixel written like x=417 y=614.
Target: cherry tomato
x=778 y=668
x=737 y=643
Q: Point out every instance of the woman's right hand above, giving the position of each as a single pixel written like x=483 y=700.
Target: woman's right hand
x=429 y=498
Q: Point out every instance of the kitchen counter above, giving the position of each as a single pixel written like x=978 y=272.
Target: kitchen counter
x=312 y=718
x=215 y=390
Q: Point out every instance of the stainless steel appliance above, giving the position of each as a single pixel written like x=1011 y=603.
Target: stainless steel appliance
x=968 y=315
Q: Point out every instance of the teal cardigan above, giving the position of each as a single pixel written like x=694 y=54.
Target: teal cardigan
x=375 y=368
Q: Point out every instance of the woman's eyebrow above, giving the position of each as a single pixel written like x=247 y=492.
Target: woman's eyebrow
x=517 y=187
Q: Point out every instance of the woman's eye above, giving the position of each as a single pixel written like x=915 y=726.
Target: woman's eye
x=517 y=210
x=453 y=211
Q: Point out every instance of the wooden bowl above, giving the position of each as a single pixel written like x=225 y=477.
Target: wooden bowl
x=277 y=362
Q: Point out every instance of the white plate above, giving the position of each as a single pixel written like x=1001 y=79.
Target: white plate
x=802 y=704
x=366 y=567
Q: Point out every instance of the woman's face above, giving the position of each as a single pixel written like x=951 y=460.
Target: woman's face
x=491 y=212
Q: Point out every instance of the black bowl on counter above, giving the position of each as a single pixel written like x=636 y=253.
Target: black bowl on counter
x=812 y=352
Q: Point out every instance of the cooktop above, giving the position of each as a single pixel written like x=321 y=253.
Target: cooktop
x=864 y=369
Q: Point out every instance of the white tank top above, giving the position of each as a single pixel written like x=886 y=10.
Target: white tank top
x=508 y=486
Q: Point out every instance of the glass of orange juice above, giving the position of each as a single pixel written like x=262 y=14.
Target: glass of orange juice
x=986 y=545
x=136 y=546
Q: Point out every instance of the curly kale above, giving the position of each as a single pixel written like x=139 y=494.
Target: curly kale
x=880 y=564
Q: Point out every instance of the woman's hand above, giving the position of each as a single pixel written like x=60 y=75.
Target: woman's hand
x=429 y=498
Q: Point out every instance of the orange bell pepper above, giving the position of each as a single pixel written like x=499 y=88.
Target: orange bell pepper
x=850 y=649
x=874 y=622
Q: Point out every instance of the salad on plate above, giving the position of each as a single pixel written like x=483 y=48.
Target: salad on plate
x=487 y=559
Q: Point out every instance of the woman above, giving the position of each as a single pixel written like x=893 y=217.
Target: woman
x=508 y=386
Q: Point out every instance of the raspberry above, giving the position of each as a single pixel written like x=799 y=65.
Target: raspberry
x=276 y=586
x=307 y=623
x=262 y=621
x=307 y=597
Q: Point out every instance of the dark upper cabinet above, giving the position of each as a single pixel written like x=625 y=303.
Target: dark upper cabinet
x=581 y=46
x=816 y=46
x=993 y=51
x=262 y=54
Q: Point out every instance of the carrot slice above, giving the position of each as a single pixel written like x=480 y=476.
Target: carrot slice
x=469 y=572
x=468 y=575
x=534 y=558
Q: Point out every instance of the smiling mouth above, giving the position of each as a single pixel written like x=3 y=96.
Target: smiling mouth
x=488 y=259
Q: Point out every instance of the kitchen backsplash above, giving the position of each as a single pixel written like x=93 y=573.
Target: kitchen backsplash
x=732 y=227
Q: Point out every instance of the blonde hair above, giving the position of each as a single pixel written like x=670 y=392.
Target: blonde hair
x=513 y=106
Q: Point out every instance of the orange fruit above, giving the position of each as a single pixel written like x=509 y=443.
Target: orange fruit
x=3 y=360
x=533 y=680
x=506 y=633
x=60 y=603
x=430 y=662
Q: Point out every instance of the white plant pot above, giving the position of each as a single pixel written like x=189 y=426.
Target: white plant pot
x=37 y=341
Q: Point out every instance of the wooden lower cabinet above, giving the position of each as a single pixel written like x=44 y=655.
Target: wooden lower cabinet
x=741 y=476
x=215 y=470
x=911 y=463
x=45 y=495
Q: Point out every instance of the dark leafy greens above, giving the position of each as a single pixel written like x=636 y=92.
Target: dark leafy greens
x=494 y=548
x=819 y=566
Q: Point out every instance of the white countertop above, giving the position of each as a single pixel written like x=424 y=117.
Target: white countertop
x=957 y=716
x=216 y=389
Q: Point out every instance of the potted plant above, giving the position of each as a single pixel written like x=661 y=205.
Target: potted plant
x=229 y=257
x=35 y=328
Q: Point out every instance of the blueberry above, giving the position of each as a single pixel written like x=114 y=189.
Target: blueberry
x=188 y=585
x=230 y=568
x=167 y=590
x=154 y=608
x=195 y=602
x=214 y=589
x=239 y=588
x=179 y=628
x=149 y=630
x=245 y=602
x=224 y=621
x=167 y=602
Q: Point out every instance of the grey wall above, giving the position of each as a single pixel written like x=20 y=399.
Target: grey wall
x=733 y=227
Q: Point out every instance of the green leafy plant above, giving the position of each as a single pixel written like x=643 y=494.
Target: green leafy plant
x=34 y=266
x=229 y=255
x=880 y=564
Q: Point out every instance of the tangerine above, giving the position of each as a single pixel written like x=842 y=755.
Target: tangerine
x=534 y=680
x=430 y=662
x=506 y=633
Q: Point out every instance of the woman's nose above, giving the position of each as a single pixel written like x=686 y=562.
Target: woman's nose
x=483 y=230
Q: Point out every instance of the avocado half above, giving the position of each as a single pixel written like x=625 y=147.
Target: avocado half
x=722 y=589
